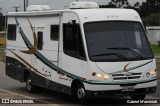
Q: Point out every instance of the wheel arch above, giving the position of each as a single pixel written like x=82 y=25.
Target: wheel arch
x=75 y=84
x=26 y=72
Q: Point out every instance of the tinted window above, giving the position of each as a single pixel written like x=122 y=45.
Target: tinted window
x=11 y=32
x=54 y=32
x=40 y=40
x=117 y=41
x=72 y=41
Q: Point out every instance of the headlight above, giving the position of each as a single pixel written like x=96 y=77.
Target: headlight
x=153 y=72
x=99 y=76
x=106 y=76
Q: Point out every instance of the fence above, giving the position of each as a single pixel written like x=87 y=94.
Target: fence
x=153 y=34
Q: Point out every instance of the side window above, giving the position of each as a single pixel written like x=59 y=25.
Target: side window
x=40 y=40
x=72 y=41
x=54 y=32
x=11 y=32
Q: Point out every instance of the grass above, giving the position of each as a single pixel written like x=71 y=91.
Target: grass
x=2 y=47
x=156 y=49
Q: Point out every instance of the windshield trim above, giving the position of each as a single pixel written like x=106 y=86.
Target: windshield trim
x=117 y=60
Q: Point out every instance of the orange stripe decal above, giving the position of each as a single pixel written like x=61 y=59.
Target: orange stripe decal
x=125 y=67
x=32 y=50
x=29 y=65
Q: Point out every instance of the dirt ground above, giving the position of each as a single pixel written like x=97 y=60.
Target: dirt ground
x=1 y=56
x=158 y=64
x=158 y=70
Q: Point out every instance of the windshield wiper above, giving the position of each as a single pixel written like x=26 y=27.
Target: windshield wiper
x=107 y=54
x=129 y=49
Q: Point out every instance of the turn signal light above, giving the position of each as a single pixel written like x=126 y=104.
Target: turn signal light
x=106 y=76
x=99 y=76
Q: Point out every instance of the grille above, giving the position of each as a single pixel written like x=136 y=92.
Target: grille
x=123 y=76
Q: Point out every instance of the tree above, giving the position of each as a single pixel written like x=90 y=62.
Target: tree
x=136 y=5
x=120 y=3
x=2 y=21
x=149 y=10
x=152 y=20
x=116 y=4
x=154 y=5
x=110 y=5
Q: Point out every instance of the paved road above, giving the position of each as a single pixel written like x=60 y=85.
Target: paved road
x=8 y=84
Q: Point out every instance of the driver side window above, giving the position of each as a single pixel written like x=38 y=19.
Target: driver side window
x=72 y=41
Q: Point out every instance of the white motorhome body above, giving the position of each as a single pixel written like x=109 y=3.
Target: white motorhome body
x=84 y=52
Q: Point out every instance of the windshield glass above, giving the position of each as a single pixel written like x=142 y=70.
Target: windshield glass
x=116 y=41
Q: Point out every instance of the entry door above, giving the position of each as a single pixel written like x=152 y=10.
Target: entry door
x=50 y=51
x=39 y=80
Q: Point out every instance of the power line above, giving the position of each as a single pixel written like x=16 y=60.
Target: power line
x=2 y=2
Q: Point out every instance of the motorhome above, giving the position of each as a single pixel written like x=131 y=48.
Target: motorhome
x=84 y=51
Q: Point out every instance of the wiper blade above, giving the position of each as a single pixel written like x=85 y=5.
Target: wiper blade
x=129 y=49
x=107 y=54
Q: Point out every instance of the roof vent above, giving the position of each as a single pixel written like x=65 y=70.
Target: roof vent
x=85 y=5
x=38 y=8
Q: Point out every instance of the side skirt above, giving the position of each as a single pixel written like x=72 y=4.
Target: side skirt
x=16 y=70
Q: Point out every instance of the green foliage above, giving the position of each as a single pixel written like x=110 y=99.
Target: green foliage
x=120 y=3
x=156 y=49
x=149 y=7
x=2 y=23
x=116 y=4
x=152 y=20
x=2 y=47
x=149 y=10
x=2 y=20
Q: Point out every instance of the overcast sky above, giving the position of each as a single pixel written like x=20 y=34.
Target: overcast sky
x=7 y=5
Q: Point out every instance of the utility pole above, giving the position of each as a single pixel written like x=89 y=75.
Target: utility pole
x=16 y=8
x=25 y=4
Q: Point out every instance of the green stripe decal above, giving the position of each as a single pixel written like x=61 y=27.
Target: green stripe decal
x=132 y=68
x=42 y=58
x=97 y=82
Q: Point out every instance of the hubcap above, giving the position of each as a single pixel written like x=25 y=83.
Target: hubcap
x=29 y=84
x=80 y=93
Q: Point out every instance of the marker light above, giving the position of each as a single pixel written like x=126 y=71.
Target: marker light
x=147 y=74
x=99 y=76
x=93 y=74
x=106 y=76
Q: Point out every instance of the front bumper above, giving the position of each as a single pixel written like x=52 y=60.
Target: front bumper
x=119 y=93
x=115 y=89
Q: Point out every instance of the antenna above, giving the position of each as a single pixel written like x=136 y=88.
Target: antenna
x=16 y=8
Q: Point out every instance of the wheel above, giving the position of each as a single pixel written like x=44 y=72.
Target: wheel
x=138 y=97
x=30 y=87
x=80 y=94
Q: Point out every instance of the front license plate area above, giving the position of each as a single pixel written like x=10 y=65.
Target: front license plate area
x=127 y=88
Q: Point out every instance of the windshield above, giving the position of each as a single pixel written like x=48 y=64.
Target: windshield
x=116 y=41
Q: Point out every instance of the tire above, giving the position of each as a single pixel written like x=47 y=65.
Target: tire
x=38 y=89
x=29 y=86
x=80 y=94
x=138 y=97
